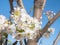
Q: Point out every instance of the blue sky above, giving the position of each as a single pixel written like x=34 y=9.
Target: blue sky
x=50 y=5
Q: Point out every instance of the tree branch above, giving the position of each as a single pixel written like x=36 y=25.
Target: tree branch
x=6 y=41
x=57 y=39
x=48 y=25
x=25 y=41
x=20 y=4
x=38 y=8
x=11 y=6
x=31 y=42
x=51 y=22
x=15 y=43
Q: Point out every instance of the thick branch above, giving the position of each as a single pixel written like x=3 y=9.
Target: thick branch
x=38 y=8
x=31 y=42
x=57 y=39
x=48 y=25
x=11 y=5
x=19 y=2
x=21 y=5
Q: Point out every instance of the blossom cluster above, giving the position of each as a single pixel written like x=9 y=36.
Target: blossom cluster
x=3 y=23
x=50 y=14
x=25 y=25
x=21 y=25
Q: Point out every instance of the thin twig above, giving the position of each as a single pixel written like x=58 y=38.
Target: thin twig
x=57 y=39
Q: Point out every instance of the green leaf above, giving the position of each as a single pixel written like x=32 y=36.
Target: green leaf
x=5 y=34
x=19 y=30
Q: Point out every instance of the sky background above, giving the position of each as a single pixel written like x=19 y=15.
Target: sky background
x=53 y=5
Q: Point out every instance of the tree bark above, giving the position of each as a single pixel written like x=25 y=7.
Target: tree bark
x=11 y=6
x=19 y=2
x=38 y=8
x=21 y=5
x=57 y=39
x=31 y=42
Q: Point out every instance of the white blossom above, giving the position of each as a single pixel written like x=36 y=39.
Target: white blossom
x=51 y=30
x=11 y=29
x=2 y=19
x=23 y=25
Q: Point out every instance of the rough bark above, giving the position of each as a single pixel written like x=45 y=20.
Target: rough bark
x=57 y=39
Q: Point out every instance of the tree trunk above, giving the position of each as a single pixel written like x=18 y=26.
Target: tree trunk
x=31 y=42
x=38 y=8
x=11 y=6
